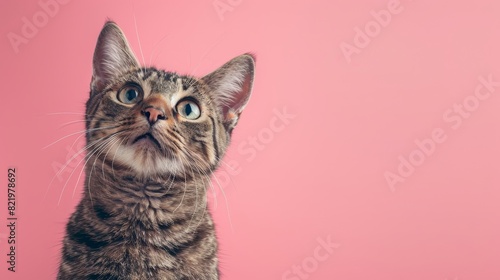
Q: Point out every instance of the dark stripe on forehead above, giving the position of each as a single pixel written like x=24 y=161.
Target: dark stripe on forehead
x=187 y=82
x=214 y=138
x=170 y=76
x=148 y=73
x=167 y=76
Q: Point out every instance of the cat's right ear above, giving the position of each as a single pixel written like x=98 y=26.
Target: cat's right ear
x=112 y=56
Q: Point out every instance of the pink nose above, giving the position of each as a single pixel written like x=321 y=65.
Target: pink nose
x=153 y=114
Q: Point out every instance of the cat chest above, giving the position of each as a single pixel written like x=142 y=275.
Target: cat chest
x=135 y=259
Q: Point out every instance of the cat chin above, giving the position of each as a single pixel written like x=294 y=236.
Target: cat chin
x=146 y=163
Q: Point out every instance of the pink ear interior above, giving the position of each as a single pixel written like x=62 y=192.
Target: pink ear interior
x=231 y=85
x=112 y=55
x=241 y=97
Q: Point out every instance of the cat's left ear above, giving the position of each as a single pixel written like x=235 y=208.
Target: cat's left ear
x=231 y=87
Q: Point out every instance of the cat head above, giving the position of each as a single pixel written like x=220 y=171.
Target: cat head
x=158 y=122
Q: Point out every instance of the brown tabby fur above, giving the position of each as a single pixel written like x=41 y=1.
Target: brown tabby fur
x=144 y=212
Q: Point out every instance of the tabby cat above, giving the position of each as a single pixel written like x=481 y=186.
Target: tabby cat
x=153 y=140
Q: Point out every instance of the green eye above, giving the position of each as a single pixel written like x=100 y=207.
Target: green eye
x=189 y=110
x=129 y=95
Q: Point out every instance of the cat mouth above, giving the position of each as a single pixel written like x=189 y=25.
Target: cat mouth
x=147 y=137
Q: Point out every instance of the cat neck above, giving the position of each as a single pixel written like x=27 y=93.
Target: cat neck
x=161 y=198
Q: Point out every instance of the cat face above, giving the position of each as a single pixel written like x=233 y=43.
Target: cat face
x=157 y=122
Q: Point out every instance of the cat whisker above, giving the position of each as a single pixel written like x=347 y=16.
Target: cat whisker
x=195 y=160
x=214 y=193
x=78 y=132
x=67 y=113
x=96 y=143
x=204 y=202
x=71 y=122
x=184 y=194
x=196 y=199
x=225 y=200
x=155 y=47
x=183 y=154
x=192 y=161
x=212 y=47
x=100 y=152
x=66 y=164
x=88 y=158
x=231 y=182
x=104 y=160
x=113 y=161
x=83 y=121
x=171 y=183
x=79 y=152
x=222 y=161
x=76 y=140
x=137 y=34
x=116 y=123
x=111 y=139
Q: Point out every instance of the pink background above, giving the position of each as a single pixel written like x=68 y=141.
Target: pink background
x=321 y=174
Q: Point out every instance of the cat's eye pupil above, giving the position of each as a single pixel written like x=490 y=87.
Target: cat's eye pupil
x=188 y=109
x=131 y=94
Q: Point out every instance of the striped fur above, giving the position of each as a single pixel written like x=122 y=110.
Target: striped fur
x=144 y=211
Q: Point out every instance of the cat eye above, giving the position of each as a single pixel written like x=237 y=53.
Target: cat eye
x=188 y=109
x=129 y=94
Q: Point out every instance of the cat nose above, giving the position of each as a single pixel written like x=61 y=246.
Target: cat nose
x=153 y=114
